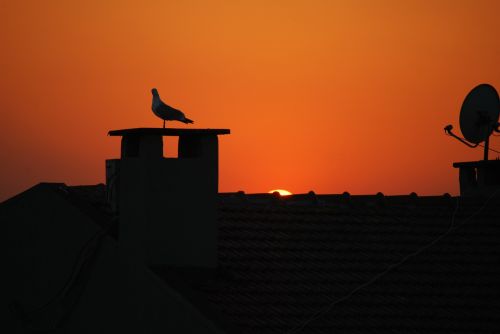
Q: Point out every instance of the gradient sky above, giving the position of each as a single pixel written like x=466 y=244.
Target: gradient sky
x=329 y=96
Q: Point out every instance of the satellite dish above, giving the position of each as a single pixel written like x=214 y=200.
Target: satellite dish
x=479 y=113
x=478 y=117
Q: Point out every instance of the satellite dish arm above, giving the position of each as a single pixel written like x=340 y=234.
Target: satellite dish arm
x=448 y=131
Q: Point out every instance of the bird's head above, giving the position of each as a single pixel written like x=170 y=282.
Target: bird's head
x=154 y=91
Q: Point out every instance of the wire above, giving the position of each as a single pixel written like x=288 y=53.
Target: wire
x=325 y=310
x=83 y=256
x=489 y=148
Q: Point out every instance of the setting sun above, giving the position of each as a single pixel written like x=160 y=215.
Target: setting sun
x=282 y=192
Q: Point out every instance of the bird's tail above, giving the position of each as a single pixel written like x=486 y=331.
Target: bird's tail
x=187 y=121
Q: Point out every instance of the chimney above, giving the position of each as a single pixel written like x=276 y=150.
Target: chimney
x=478 y=178
x=166 y=206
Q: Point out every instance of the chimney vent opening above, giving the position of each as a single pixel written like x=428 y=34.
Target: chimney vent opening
x=170 y=145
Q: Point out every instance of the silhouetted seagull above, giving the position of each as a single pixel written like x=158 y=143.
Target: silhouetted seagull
x=166 y=112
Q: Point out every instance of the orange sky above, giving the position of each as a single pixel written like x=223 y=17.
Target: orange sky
x=329 y=96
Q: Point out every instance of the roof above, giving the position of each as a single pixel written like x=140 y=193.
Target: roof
x=359 y=264
x=351 y=264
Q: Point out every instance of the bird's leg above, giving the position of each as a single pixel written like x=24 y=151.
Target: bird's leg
x=164 y=124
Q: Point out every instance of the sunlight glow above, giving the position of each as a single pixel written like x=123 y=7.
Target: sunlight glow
x=282 y=192
x=348 y=61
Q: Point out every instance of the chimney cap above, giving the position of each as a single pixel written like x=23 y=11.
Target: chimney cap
x=168 y=132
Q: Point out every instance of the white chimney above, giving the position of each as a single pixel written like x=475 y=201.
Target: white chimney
x=167 y=206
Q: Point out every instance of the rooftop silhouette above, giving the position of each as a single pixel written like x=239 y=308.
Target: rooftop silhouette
x=159 y=249
x=293 y=264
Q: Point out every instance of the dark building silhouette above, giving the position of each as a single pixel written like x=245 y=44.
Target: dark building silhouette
x=478 y=177
x=478 y=121
x=167 y=206
x=158 y=250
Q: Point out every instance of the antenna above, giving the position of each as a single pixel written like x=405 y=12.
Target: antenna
x=478 y=117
